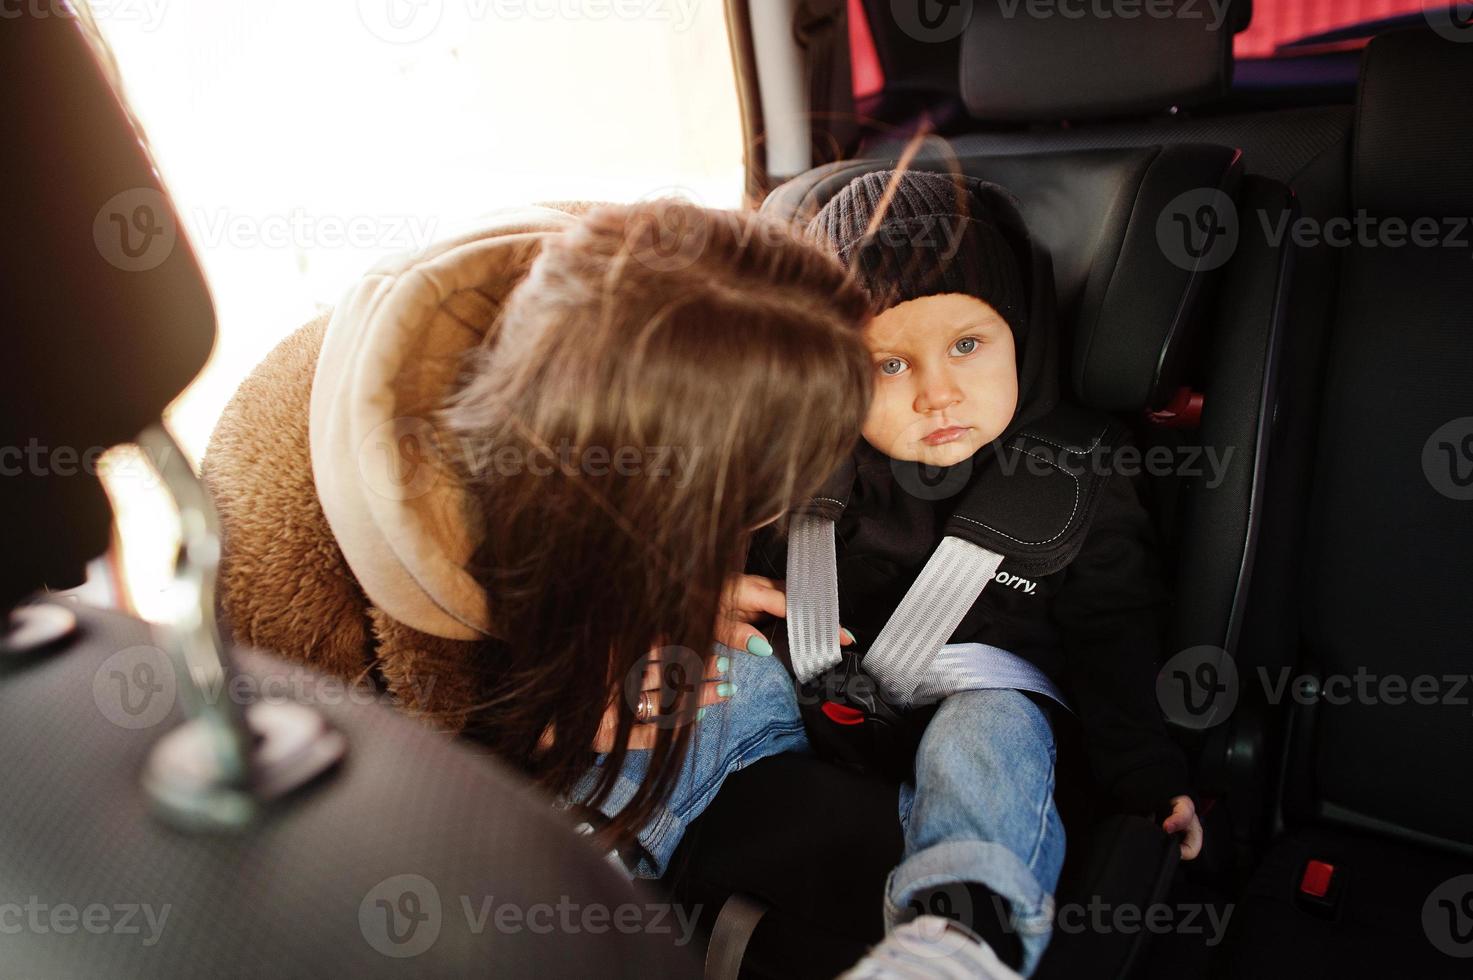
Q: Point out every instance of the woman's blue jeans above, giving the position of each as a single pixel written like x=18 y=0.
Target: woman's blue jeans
x=981 y=808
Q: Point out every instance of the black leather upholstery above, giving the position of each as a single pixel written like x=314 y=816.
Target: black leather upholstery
x=97 y=341
x=1126 y=306
x=298 y=894
x=1380 y=929
x=1375 y=781
x=1240 y=397
x=1390 y=551
x=1287 y=145
x=1062 y=61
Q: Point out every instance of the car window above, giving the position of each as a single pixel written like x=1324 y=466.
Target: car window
x=1276 y=22
x=303 y=142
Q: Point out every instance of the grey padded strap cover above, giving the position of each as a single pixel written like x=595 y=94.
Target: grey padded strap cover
x=1037 y=497
x=813 y=596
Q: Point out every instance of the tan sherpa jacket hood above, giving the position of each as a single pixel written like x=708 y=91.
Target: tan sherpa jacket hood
x=346 y=530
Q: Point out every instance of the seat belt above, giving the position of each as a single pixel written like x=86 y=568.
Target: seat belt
x=730 y=935
x=821 y=28
x=982 y=667
x=934 y=606
x=813 y=597
x=910 y=659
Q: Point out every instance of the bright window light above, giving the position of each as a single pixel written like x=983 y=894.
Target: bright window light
x=303 y=142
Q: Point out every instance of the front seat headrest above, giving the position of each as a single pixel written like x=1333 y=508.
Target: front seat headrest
x=1029 y=60
x=106 y=311
x=386 y=479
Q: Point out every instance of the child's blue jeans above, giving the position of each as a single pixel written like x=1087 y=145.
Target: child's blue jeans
x=981 y=808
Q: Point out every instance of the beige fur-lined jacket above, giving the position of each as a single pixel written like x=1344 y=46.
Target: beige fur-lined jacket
x=330 y=557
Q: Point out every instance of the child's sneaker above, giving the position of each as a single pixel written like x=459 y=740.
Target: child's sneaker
x=931 y=947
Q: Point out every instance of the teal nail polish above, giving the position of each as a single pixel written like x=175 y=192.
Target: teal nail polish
x=759 y=647
x=723 y=664
x=847 y=635
x=724 y=689
x=700 y=714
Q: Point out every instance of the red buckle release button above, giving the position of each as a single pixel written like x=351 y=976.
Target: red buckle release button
x=1316 y=880
x=842 y=714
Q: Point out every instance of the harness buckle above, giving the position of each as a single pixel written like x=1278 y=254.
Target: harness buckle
x=850 y=722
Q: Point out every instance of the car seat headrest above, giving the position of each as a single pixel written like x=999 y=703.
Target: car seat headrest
x=1027 y=61
x=1128 y=293
x=106 y=311
x=1414 y=130
x=385 y=475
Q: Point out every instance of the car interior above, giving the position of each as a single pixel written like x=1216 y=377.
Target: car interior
x=1238 y=280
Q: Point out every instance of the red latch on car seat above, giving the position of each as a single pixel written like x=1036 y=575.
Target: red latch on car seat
x=1316 y=879
x=842 y=714
x=1184 y=411
x=1321 y=887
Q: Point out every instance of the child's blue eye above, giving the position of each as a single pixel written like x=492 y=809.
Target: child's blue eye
x=965 y=346
x=892 y=366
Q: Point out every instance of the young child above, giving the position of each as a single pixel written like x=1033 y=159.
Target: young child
x=960 y=361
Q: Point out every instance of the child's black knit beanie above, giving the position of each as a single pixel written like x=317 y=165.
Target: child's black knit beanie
x=939 y=233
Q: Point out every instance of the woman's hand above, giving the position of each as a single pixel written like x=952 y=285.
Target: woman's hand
x=655 y=685
x=1183 y=817
x=751 y=599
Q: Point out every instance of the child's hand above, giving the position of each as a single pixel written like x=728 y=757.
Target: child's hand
x=749 y=599
x=1184 y=818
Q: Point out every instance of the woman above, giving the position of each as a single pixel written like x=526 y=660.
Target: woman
x=664 y=381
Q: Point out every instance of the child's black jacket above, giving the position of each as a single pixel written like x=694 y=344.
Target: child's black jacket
x=1094 y=626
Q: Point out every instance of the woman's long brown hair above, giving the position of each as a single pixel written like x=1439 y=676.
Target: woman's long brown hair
x=665 y=379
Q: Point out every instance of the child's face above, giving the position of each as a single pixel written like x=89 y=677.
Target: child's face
x=946 y=379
